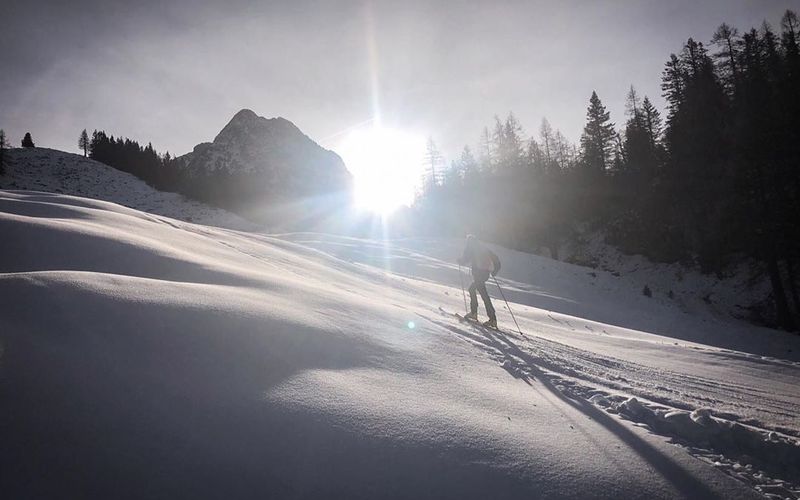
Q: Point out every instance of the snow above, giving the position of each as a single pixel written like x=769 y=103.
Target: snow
x=42 y=169
x=145 y=356
x=731 y=293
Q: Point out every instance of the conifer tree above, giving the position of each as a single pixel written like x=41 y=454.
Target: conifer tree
x=597 y=141
x=83 y=143
x=512 y=142
x=727 y=41
x=653 y=123
x=27 y=141
x=498 y=149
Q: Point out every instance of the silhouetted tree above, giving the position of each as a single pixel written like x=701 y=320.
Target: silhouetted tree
x=639 y=151
x=653 y=123
x=727 y=41
x=83 y=142
x=27 y=141
x=696 y=189
x=597 y=141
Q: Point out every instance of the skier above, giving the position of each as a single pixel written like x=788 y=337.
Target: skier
x=483 y=262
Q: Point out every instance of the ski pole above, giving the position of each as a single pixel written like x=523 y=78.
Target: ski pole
x=508 y=306
x=463 y=294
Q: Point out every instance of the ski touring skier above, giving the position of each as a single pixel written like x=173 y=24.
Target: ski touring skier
x=483 y=263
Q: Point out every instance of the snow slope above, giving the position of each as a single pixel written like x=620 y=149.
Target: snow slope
x=733 y=293
x=148 y=357
x=42 y=169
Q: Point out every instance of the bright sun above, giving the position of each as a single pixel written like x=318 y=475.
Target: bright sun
x=386 y=164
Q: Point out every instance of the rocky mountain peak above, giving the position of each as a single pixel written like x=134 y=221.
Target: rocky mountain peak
x=267 y=157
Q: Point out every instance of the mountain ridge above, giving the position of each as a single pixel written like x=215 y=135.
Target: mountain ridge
x=253 y=144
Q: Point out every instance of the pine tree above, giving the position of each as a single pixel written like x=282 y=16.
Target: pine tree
x=83 y=143
x=633 y=107
x=696 y=181
x=653 y=123
x=726 y=40
x=27 y=141
x=672 y=85
x=635 y=154
x=512 y=136
x=791 y=32
x=597 y=141
x=498 y=144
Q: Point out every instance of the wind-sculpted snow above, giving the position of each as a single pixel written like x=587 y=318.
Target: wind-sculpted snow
x=144 y=357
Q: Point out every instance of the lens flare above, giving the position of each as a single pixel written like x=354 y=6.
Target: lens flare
x=387 y=165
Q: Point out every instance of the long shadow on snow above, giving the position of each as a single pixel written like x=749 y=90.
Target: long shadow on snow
x=526 y=367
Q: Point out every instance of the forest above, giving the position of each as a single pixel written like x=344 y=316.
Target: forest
x=714 y=181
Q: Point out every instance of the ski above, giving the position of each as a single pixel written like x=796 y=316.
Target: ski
x=464 y=319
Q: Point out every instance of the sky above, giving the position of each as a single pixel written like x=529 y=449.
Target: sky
x=174 y=73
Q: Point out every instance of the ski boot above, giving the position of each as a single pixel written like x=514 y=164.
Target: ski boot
x=473 y=316
x=492 y=323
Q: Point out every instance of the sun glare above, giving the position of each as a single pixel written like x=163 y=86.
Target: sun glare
x=386 y=165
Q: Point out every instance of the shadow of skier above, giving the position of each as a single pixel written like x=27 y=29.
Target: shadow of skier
x=528 y=368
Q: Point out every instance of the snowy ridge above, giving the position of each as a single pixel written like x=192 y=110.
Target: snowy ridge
x=218 y=363
x=42 y=169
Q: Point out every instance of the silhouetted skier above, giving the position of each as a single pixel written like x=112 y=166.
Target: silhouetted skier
x=483 y=263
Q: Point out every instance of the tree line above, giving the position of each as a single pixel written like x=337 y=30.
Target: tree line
x=160 y=171
x=237 y=191
x=713 y=182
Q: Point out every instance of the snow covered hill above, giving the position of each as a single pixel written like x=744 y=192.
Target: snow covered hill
x=42 y=169
x=143 y=356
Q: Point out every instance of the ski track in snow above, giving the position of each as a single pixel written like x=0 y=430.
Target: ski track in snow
x=609 y=383
x=755 y=430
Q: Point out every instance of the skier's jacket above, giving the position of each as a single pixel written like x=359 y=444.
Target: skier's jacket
x=479 y=258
